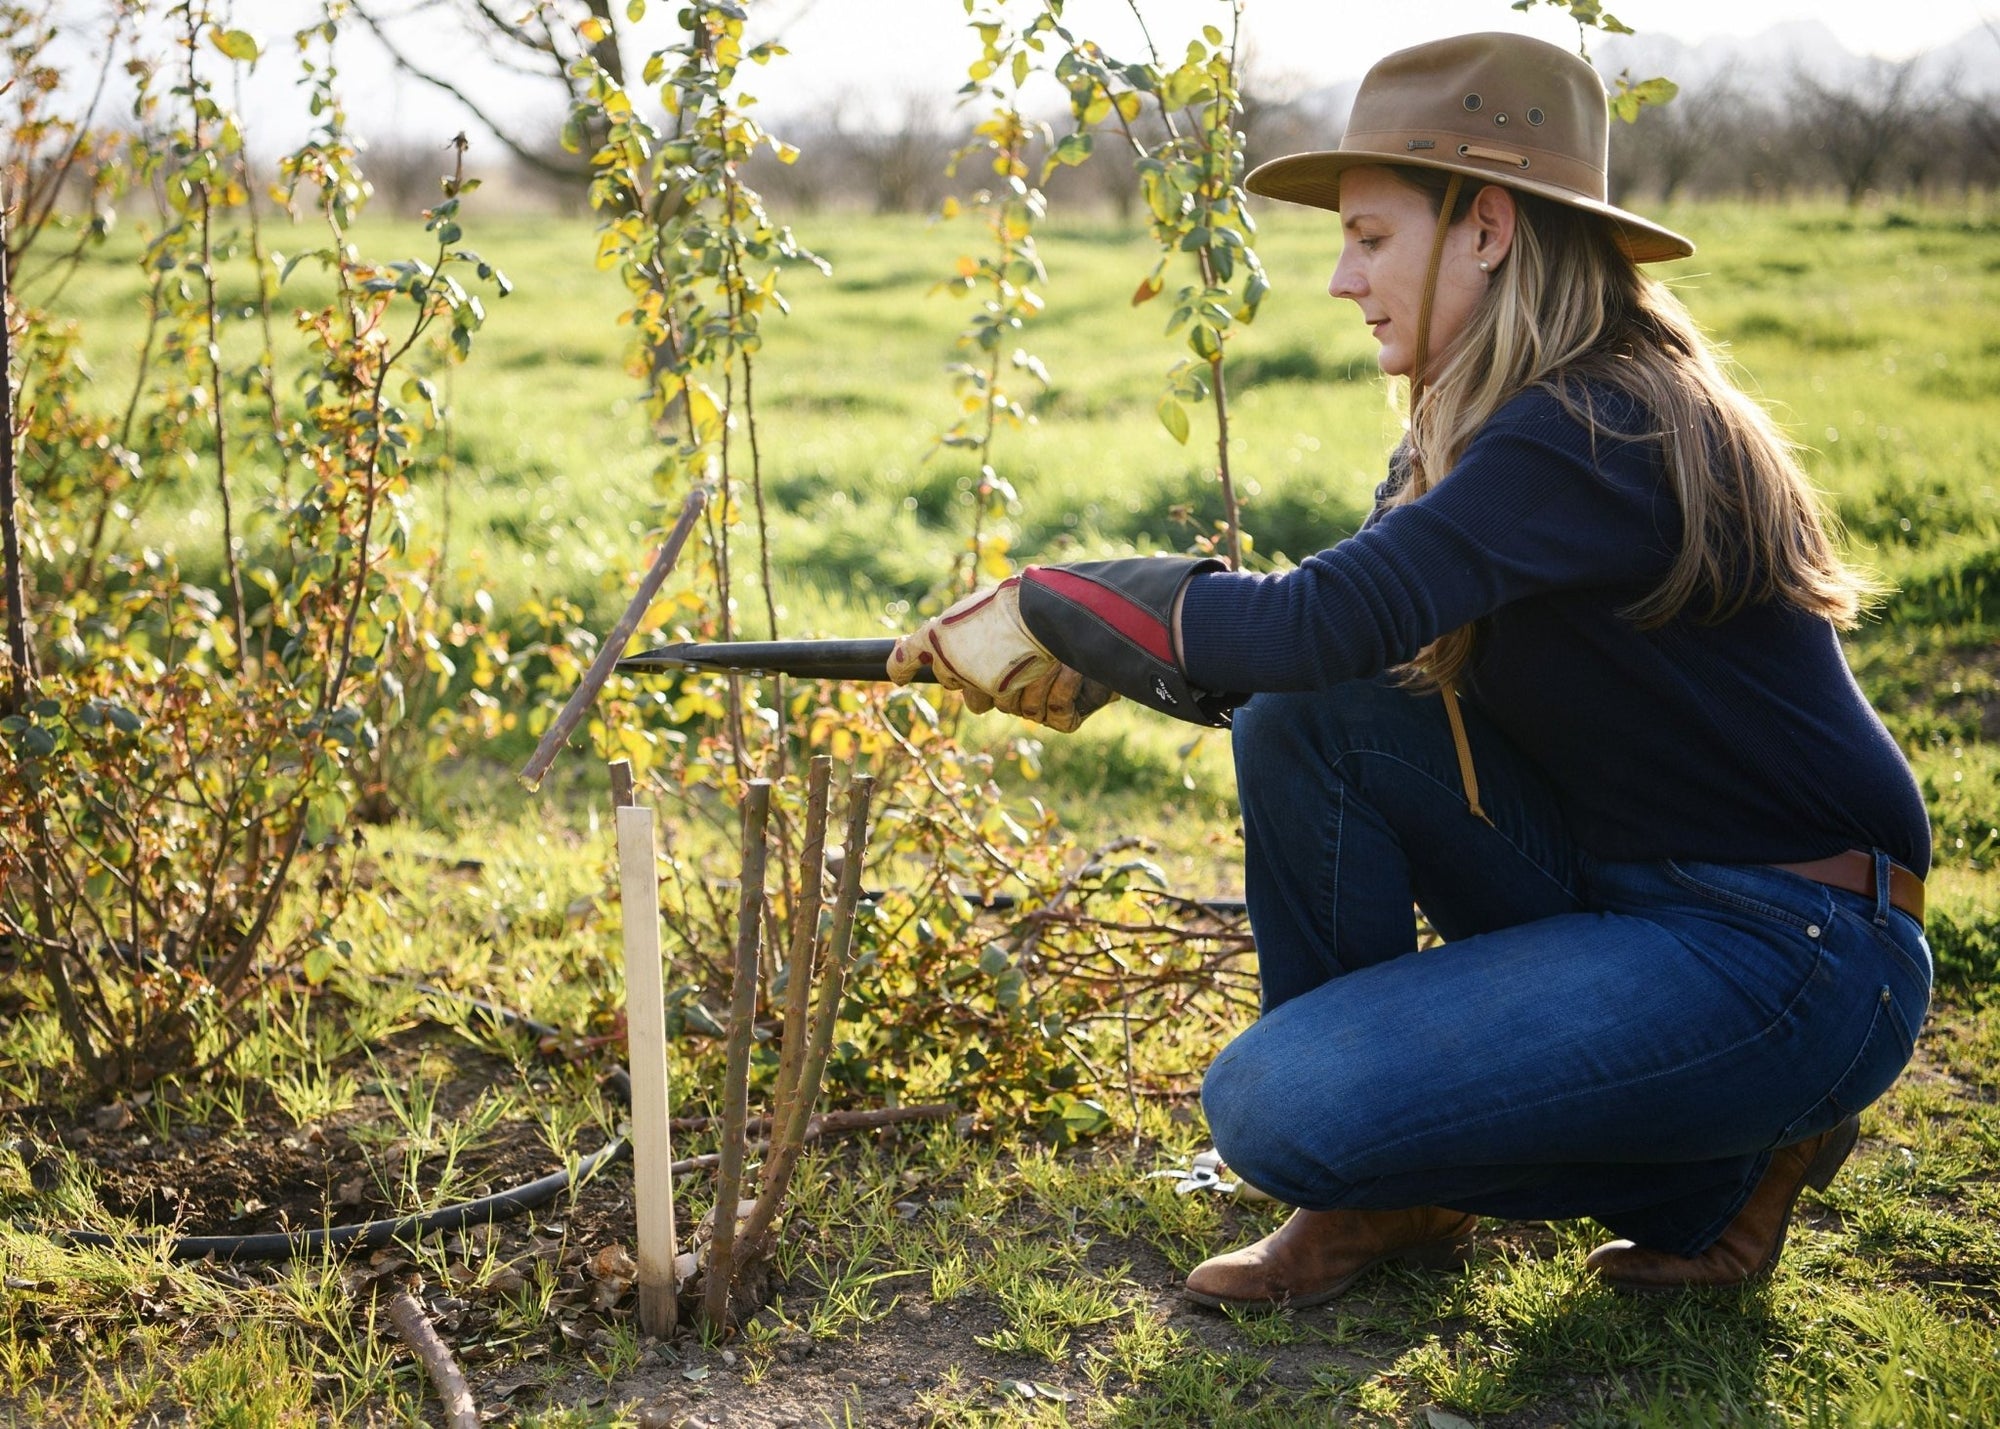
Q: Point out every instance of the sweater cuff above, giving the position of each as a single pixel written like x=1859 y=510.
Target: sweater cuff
x=1216 y=647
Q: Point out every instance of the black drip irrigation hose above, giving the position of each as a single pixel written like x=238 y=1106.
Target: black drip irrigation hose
x=373 y=1235
x=370 y=1235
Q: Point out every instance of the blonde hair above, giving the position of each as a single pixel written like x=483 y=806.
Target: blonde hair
x=1567 y=309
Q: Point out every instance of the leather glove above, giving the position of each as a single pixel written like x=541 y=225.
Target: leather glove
x=980 y=648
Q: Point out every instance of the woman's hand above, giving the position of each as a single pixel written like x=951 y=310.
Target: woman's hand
x=980 y=648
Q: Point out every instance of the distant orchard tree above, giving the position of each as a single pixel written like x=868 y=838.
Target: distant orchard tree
x=1861 y=128
x=1670 y=145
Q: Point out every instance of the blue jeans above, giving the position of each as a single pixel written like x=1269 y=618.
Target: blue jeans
x=1626 y=1041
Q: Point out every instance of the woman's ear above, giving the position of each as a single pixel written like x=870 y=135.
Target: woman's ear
x=1491 y=219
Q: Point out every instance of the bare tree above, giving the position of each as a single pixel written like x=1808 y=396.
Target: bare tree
x=1981 y=119
x=906 y=163
x=541 y=42
x=1970 y=138
x=1860 y=130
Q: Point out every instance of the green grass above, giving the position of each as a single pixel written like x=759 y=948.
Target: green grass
x=976 y=1266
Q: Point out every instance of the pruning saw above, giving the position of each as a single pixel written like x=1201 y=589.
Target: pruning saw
x=808 y=659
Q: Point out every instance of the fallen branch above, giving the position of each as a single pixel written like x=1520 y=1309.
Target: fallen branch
x=614 y=643
x=418 y=1333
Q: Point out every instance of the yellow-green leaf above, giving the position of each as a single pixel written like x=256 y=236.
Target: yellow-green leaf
x=705 y=411
x=237 y=44
x=592 y=30
x=1174 y=417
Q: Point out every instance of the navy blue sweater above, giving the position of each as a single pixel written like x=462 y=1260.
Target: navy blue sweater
x=1740 y=741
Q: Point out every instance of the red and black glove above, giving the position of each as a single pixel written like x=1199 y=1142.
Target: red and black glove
x=1113 y=620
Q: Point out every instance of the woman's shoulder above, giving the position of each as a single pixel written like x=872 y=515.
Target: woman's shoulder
x=1596 y=425
x=1579 y=406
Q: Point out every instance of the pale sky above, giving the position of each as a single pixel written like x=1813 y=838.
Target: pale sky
x=1330 y=40
x=868 y=54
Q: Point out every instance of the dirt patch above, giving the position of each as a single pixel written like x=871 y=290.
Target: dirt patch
x=921 y=1356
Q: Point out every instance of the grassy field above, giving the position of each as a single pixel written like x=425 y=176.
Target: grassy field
x=938 y=1277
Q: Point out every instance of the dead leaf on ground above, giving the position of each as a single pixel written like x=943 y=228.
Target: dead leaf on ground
x=614 y=1262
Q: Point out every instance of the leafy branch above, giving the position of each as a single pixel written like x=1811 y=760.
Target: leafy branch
x=1190 y=169
x=701 y=260
x=1004 y=277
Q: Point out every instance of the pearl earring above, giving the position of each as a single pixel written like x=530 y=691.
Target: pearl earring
x=1484 y=265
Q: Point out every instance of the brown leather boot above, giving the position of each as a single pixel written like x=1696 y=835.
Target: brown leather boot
x=1317 y=1254
x=1749 y=1248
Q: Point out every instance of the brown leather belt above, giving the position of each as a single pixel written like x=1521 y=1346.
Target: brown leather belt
x=1854 y=871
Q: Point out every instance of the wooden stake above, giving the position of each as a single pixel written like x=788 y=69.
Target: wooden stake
x=646 y=1036
x=736 y=1070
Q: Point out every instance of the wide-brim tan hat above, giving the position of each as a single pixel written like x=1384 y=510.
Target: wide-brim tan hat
x=1500 y=107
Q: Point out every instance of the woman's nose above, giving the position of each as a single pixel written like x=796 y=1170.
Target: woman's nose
x=1343 y=283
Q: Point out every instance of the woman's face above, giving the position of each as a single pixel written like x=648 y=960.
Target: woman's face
x=1388 y=227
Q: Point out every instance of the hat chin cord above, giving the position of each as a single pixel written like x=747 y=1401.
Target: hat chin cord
x=1447 y=689
x=1418 y=376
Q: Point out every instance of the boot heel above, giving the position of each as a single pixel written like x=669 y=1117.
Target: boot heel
x=1828 y=1160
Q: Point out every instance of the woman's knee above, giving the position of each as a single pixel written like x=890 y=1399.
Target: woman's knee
x=1259 y=1120
x=1266 y=736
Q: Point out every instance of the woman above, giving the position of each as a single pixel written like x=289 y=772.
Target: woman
x=1575 y=690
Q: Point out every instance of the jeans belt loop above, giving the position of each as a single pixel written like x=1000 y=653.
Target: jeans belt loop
x=1881 y=889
